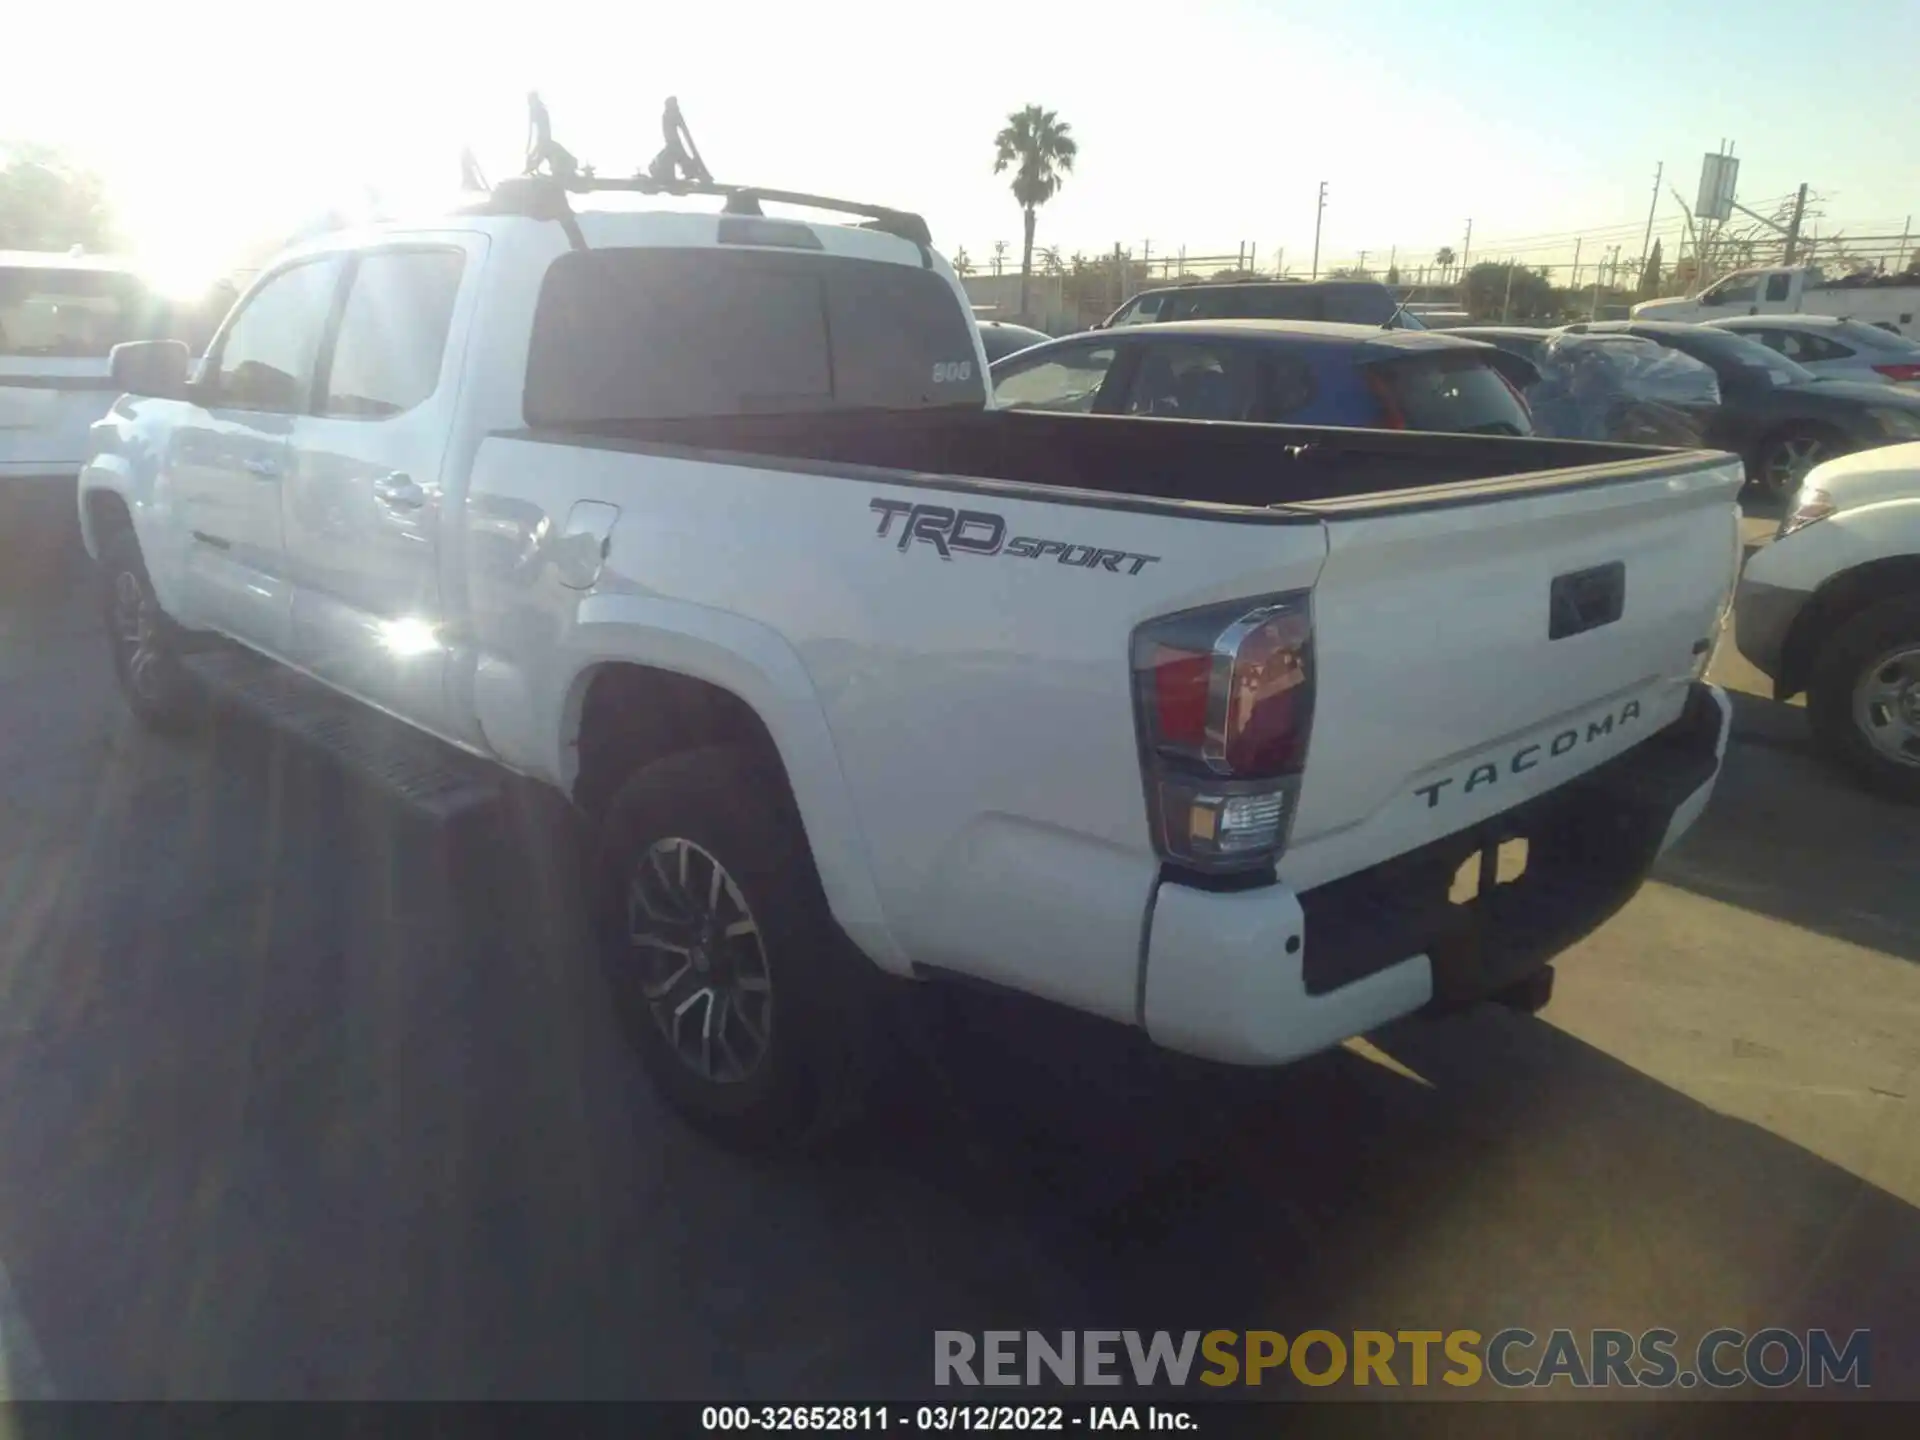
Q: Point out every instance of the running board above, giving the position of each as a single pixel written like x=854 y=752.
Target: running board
x=425 y=776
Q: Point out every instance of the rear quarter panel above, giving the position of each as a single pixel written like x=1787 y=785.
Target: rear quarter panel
x=958 y=727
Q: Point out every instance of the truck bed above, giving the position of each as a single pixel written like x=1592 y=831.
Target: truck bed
x=1209 y=462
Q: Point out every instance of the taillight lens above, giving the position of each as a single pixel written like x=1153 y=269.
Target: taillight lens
x=1225 y=707
x=1899 y=372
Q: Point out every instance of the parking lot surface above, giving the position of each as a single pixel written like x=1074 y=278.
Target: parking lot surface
x=301 y=1099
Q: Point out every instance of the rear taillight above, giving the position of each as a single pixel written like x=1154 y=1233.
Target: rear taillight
x=1899 y=372
x=1224 y=702
x=1392 y=417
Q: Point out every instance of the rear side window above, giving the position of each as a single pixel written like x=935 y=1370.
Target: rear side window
x=1359 y=304
x=657 y=334
x=73 y=314
x=1457 y=393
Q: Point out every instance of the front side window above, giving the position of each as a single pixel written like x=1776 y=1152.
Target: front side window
x=1778 y=285
x=1734 y=290
x=266 y=360
x=1067 y=380
x=393 y=332
x=637 y=334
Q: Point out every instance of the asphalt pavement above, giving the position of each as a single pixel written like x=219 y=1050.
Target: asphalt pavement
x=299 y=1098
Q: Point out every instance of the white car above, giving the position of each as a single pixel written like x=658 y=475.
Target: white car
x=702 y=518
x=1832 y=608
x=1834 y=349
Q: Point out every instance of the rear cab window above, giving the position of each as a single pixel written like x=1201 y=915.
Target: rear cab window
x=1458 y=393
x=638 y=334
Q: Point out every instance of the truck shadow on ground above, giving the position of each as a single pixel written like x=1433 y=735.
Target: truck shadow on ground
x=303 y=1100
x=1788 y=835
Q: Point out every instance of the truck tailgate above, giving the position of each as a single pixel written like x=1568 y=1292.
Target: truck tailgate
x=1478 y=646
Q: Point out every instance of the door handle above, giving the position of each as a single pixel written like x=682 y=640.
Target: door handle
x=261 y=467
x=398 y=491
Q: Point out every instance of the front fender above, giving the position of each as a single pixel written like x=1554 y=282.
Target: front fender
x=741 y=656
x=1821 y=552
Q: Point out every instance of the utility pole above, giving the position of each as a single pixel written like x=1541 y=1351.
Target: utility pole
x=1506 y=300
x=1318 y=214
x=1574 y=283
x=1646 y=241
x=1363 y=262
x=1900 y=260
x=1793 y=225
x=1466 y=249
x=1393 y=255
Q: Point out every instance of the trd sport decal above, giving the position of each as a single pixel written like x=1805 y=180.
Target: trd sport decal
x=978 y=532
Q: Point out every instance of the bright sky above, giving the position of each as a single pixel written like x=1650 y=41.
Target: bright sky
x=1201 y=124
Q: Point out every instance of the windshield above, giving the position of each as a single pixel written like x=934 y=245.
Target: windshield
x=71 y=314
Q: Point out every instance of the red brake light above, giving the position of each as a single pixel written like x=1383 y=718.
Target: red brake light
x=1180 y=682
x=1225 y=707
x=1899 y=372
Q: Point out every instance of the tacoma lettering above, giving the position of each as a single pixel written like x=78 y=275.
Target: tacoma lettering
x=980 y=532
x=1487 y=772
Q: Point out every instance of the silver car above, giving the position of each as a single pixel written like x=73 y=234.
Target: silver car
x=1834 y=349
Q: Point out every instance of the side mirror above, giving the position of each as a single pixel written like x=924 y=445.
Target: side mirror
x=152 y=367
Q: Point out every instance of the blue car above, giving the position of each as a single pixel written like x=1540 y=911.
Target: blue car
x=1275 y=372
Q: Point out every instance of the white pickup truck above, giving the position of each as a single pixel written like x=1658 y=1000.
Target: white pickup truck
x=1889 y=301
x=1226 y=732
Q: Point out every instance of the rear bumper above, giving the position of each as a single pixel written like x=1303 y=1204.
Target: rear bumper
x=1259 y=977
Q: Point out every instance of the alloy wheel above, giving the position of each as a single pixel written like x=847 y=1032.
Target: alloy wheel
x=702 y=959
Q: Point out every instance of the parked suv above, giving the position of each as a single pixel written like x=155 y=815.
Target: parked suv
x=1357 y=302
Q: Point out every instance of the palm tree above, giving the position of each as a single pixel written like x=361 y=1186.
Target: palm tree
x=962 y=262
x=1050 y=260
x=999 y=256
x=1443 y=257
x=1037 y=145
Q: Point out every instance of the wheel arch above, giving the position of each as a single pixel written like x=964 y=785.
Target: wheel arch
x=639 y=691
x=1837 y=601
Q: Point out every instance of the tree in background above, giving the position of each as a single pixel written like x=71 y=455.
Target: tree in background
x=1040 y=149
x=1444 y=258
x=1393 y=274
x=1050 y=262
x=962 y=262
x=1498 y=291
x=1650 y=274
x=48 y=204
x=999 y=256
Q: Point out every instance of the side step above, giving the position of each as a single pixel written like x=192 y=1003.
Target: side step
x=425 y=776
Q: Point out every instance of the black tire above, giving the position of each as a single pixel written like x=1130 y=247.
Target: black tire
x=144 y=642
x=1846 y=656
x=1783 y=459
x=817 y=1024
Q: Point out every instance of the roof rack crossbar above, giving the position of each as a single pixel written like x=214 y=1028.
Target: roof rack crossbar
x=536 y=196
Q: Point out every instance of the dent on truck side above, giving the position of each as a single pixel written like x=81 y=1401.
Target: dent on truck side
x=539 y=644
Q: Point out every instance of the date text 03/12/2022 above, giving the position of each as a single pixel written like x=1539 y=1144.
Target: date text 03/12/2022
x=943 y=1419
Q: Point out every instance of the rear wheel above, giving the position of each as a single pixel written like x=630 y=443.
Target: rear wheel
x=145 y=642
x=1785 y=458
x=751 y=1012
x=1864 y=697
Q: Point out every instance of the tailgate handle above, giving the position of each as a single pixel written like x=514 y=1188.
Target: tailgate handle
x=1586 y=599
